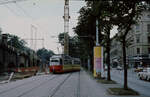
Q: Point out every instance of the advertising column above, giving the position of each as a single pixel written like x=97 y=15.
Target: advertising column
x=98 y=61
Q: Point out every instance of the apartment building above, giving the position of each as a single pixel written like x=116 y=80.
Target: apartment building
x=138 y=50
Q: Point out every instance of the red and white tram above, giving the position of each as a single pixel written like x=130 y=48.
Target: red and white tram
x=63 y=63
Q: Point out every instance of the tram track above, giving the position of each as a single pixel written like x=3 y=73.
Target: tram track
x=7 y=90
x=45 y=82
x=78 y=86
x=23 y=84
x=54 y=91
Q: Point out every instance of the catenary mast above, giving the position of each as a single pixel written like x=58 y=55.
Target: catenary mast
x=66 y=27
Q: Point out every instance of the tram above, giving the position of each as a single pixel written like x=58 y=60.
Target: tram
x=63 y=63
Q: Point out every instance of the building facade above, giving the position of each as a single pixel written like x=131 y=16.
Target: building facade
x=138 y=53
x=116 y=53
x=13 y=59
x=138 y=49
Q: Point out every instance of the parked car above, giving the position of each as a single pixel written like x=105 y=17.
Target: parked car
x=145 y=74
x=105 y=68
x=139 y=69
x=119 y=68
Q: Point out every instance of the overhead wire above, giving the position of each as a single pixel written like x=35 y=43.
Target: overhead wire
x=21 y=9
x=10 y=1
x=11 y=10
x=35 y=23
x=25 y=12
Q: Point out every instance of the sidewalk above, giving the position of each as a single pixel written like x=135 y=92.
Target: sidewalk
x=16 y=76
x=2 y=78
x=91 y=88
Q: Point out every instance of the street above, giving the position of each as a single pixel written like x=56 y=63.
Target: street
x=79 y=39
x=134 y=82
x=75 y=84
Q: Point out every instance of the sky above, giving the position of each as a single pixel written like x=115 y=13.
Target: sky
x=44 y=18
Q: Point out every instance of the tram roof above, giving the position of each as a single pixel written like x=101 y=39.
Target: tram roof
x=61 y=55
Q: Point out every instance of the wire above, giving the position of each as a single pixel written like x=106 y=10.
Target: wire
x=10 y=1
x=25 y=12
x=28 y=15
x=12 y=11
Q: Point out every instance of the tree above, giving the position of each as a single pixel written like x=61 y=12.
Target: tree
x=61 y=38
x=74 y=43
x=121 y=13
x=44 y=54
x=85 y=29
x=103 y=11
x=126 y=14
x=16 y=42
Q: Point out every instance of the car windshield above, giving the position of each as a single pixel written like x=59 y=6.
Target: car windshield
x=148 y=70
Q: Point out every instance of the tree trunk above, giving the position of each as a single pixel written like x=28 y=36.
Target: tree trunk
x=108 y=55
x=91 y=63
x=4 y=58
x=125 y=65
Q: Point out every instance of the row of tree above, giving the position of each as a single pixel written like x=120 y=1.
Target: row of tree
x=109 y=13
x=74 y=44
x=20 y=44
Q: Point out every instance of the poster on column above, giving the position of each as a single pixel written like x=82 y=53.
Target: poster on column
x=98 y=60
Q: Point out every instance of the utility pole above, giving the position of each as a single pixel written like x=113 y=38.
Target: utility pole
x=33 y=36
x=97 y=33
x=66 y=27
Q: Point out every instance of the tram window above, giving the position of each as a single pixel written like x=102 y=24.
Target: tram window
x=60 y=61
x=67 y=62
x=54 y=61
x=76 y=62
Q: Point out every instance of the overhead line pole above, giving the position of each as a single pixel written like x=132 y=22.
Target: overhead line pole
x=66 y=27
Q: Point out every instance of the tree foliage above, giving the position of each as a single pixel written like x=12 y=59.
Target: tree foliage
x=120 y=13
x=61 y=38
x=74 y=44
x=16 y=42
x=44 y=54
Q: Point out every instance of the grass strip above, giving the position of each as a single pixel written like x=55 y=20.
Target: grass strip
x=104 y=81
x=122 y=91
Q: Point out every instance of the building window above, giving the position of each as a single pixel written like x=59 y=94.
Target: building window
x=138 y=39
x=148 y=28
x=137 y=27
x=138 y=50
x=148 y=50
x=148 y=39
x=148 y=15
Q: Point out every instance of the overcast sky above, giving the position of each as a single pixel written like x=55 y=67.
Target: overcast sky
x=44 y=15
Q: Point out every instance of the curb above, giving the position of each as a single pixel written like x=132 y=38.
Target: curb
x=111 y=92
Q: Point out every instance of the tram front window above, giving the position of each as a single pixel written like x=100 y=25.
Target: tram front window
x=54 y=62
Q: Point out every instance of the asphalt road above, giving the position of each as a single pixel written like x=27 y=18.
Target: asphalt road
x=143 y=87
x=75 y=84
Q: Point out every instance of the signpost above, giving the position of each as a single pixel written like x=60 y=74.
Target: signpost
x=98 y=61
x=98 y=56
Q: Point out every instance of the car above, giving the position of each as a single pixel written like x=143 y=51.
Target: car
x=119 y=68
x=105 y=68
x=145 y=74
x=139 y=69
